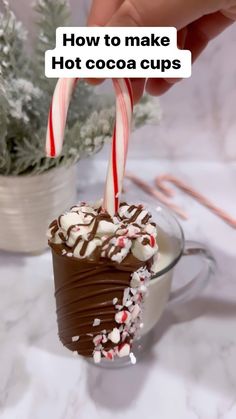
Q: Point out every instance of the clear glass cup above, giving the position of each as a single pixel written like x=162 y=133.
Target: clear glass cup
x=173 y=247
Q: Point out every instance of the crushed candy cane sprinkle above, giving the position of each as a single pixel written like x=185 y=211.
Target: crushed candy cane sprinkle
x=128 y=319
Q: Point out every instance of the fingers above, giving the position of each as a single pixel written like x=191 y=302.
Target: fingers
x=138 y=86
x=197 y=37
x=201 y=32
x=197 y=21
x=157 y=87
x=161 y=13
x=230 y=12
x=102 y=11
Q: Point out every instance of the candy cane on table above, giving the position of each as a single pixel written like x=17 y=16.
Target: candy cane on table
x=152 y=191
x=124 y=109
x=160 y=182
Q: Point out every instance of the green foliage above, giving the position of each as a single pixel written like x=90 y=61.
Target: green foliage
x=12 y=38
x=25 y=95
x=50 y=15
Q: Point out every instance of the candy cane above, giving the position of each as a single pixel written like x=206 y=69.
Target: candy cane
x=117 y=163
x=160 y=183
x=58 y=115
x=124 y=109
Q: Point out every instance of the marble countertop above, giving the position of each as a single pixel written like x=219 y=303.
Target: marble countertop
x=190 y=372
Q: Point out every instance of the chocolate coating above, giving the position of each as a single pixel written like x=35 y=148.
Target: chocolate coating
x=84 y=290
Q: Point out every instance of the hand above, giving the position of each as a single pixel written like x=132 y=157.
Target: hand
x=197 y=22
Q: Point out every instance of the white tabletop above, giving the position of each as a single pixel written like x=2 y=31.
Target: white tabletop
x=190 y=372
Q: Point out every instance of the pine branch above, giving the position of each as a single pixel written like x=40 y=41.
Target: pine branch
x=12 y=37
x=50 y=15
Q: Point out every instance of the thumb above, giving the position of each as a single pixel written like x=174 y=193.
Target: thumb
x=178 y=13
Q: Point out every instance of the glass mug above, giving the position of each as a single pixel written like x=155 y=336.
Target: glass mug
x=172 y=247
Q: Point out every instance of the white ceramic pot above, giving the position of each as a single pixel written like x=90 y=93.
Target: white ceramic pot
x=29 y=203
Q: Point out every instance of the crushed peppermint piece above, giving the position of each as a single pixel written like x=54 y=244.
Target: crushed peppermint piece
x=123 y=316
x=132 y=358
x=121 y=242
x=123 y=350
x=124 y=336
x=89 y=334
x=97 y=357
x=133 y=291
x=63 y=252
x=109 y=354
x=118 y=307
x=115 y=301
x=125 y=296
x=97 y=340
x=75 y=338
x=99 y=347
x=135 y=281
x=96 y=322
x=135 y=311
x=152 y=241
x=114 y=335
x=104 y=339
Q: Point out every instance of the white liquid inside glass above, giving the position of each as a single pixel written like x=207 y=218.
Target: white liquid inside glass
x=159 y=288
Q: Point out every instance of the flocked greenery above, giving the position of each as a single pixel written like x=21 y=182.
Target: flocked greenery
x=25 y=95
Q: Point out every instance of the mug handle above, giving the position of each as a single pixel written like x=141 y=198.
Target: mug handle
x=201 y=280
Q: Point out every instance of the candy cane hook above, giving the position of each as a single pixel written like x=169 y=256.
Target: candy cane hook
x=124 y=110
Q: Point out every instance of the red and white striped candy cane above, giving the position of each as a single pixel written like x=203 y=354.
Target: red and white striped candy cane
x=124 y=109
x=58 y=115
x=117 y=163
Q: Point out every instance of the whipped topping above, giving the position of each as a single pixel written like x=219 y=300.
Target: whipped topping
x=87 y=231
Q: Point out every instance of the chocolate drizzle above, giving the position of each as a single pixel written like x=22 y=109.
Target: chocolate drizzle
x=95 y=221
